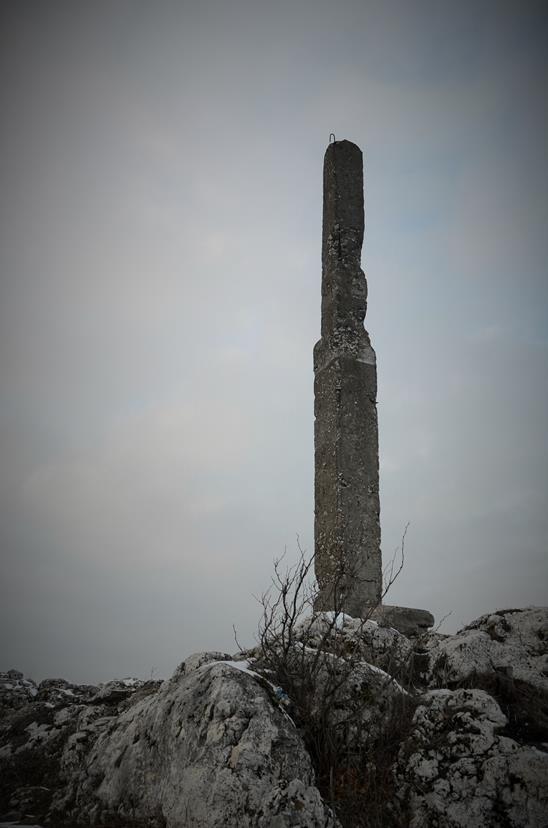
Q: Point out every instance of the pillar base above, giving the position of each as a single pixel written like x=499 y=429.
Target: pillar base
x=406 y=620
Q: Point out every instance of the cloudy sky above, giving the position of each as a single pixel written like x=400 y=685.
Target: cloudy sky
x=160 y=180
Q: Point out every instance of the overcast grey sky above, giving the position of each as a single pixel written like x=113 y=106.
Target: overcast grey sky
x=160 y=175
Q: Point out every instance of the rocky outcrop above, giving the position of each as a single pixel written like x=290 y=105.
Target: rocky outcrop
x=506 y=654
x=220 y=744
x=210 y=747
x=37 y=723
x=383 y=648
x=514 y=641
x=15 y=691
x=458 y=769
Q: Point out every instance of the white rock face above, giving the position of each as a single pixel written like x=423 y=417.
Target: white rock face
x=211 y=748
x=382 y=647
x=514 y=641
x=458 y=771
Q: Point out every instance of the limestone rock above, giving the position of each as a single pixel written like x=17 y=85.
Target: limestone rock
x=15 y=691
x=209 y=749
x=458 y=770
x=113 y=692
x=214 y=745
x=197 y=660
x=59 y=693
x=35 y=734
x=505 y=653
x=31 y=741
x=381 y=647
x=513 y=640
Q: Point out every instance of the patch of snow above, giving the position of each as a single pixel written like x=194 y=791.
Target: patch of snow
x=339 y=619
x=371 y=667
x=244 y=666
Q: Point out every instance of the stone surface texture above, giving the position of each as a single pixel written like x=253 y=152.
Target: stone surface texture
x=512 y=642
x=383 y=648
x=406 y=620
x=347 y=528
x=215 y=745
x=458 y=770
x=357 y=694
x=209 y=747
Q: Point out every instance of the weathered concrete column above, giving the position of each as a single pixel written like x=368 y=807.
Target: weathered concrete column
x=347 y=529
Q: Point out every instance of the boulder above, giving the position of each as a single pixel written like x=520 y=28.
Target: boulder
x=457 y=769
x=364 y=639
x=342 y=671
x=211 y=748
x=506 y=654
x=515 y=641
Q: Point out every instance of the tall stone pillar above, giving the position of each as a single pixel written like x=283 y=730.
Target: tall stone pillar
x=347 y=529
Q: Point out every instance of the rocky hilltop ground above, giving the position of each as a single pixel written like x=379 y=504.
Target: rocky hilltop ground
x=453 y=731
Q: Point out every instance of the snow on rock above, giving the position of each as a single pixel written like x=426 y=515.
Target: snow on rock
x=381 y=647
x=197 y=660
x=338 y=619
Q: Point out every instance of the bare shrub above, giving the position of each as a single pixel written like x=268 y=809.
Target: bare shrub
x=352 y=715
